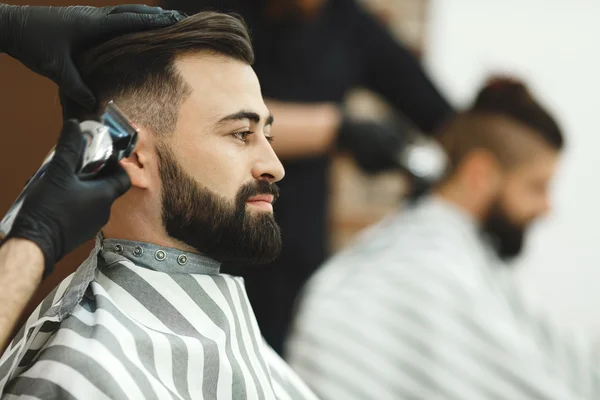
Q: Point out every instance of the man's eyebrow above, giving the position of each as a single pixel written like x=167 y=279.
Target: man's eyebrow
x=270 y=120
x=250 y=115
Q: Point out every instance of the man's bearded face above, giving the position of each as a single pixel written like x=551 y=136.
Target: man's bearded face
x=215 y=226
x=507 y=236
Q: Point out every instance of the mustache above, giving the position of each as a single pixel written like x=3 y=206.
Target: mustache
x=258 y=188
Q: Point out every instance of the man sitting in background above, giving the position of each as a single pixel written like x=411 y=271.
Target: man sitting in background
x=421 y=307
x=148 y=315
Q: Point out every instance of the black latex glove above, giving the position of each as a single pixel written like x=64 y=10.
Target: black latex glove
x=375 y=146
x=62 y=212
x=45 y=39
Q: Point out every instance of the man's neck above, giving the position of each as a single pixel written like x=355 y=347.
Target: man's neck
x=459 y=199
x=129 y=223
x=158 y=240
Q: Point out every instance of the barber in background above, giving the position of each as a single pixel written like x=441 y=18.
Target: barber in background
x=62 y=212
x=309 y=55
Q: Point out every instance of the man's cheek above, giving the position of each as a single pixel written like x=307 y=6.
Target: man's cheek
x=233 y=154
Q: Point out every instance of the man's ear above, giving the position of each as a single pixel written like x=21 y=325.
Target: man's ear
x=138 y=164
x=482 y=171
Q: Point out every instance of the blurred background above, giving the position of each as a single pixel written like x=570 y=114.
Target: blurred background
x=549 y=44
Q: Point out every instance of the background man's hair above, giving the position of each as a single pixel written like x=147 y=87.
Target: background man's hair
x=138 y=70
x=492 y=123
x=511 y=98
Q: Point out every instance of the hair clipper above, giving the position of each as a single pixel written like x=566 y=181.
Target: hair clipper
x=426 y=163
x=105 y=142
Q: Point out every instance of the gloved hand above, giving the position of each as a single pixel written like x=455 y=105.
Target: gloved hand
x=375 y=146
x=45 y=39
x=62 y=212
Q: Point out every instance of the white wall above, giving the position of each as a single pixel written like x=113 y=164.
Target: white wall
x=555 y=46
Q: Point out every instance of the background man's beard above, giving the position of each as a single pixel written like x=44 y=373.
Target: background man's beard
x=507 y=237
x=212 y=225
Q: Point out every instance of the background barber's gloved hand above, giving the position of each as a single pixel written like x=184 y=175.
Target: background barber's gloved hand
x=62 y=211
x=375 y=146
x=46 y=39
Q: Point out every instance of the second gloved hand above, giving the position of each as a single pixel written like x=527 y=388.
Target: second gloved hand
x=375 y=146
x=62 y=212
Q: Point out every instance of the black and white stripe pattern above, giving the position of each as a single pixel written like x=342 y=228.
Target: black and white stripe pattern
x=416 y=310
x=144 y=328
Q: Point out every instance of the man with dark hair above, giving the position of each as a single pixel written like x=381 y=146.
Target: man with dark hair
x=148 y=315
x=309 y=55
x=420 y=307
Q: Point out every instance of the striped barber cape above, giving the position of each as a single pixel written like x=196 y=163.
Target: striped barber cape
x=419 y=308
x=137 y=321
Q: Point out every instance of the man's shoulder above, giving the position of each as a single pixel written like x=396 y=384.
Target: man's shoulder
x=417 y=246
x=287 y=383
x=45 y=321
x=413 y=232
x=71 y=364
x=84 y=355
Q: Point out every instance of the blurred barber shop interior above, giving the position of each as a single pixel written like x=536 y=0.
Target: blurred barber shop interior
x=552 y=46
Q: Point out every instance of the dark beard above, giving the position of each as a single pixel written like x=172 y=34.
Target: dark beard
x=212 y=225
x=507 y=237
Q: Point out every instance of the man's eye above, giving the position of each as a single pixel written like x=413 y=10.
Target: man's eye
x=243 y=136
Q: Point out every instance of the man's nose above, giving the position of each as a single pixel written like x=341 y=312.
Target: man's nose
x=267 y=165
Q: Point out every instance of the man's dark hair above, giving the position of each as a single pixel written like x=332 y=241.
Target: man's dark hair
x=511 y=98
x=492 y=123
x=138 y=70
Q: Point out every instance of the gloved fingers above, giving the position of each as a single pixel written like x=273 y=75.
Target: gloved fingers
x=120 y=181
x=73 y=86
x=127 y=22
x=136 y=8
x=68 y=148
x=115 y=179
x=144 y=9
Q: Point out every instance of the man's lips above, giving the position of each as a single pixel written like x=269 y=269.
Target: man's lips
x=267 y=198
x=264 y=201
